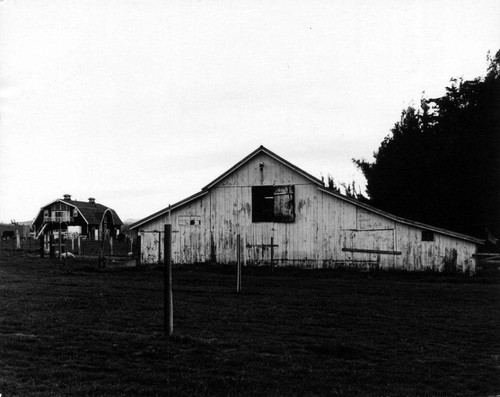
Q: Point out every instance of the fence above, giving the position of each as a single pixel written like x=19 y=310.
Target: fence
x=25 y=245
x=92 y=247
x=78 y=247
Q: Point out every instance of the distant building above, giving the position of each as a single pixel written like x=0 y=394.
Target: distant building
x=85 y=218
x=9 y=230
x=285 y=215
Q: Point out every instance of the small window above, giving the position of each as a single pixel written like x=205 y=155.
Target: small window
x=189 y=220
x=273 y=204
x=427 y=235
x=75 y=212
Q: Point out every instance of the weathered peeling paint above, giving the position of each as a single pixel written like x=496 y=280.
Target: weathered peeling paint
x=325 y=226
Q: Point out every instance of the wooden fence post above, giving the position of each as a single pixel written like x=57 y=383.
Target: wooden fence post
x=52 y=249
x=238 y=263
x=60 y=241
x=159 y=248
x=138 y=251
x=42 y=246
x=100 y=260
x=272 y=253
x=18 y=241
x=167 y=272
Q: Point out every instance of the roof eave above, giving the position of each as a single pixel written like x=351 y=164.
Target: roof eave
x=165 y=210
x=403 y=220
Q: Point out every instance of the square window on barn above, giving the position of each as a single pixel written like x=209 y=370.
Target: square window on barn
x=189 y=220
x=427 y=235
x=273 y=204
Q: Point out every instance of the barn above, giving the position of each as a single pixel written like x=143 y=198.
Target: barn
x=88 y=219
x=288 y=217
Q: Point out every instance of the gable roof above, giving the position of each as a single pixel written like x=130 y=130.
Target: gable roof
x=204 y=190
x=320 y=185
x=259 y=150
x=166 y=209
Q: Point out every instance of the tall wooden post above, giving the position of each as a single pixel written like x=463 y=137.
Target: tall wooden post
x=138 y=250
x=238 y=263
x=60 y=241
x=18 y=241
x=168 y=305
x=272 y=253
x=51 y=245
x=100 y=234
x=42 y=246
x=159 y=249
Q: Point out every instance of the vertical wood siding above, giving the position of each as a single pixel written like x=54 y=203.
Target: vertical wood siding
x=327 y=231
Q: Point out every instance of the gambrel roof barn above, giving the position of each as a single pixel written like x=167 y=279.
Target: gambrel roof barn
x=88 y=217
x=264 y=198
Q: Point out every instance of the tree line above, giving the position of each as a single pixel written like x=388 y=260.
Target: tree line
x=440 y=164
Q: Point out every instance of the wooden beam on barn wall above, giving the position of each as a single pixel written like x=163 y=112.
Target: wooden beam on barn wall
x=367 y=251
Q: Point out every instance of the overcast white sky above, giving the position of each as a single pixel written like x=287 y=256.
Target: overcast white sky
x=142 y=103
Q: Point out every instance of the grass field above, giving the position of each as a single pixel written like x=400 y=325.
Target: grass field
x=72 y=330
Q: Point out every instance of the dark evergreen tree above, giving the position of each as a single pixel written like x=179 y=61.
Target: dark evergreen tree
x=441 y=163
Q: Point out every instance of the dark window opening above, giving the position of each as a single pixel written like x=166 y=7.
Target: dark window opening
x=427 y=235
x=273 y=204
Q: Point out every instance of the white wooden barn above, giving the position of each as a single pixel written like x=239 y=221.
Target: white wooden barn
x=265 y=199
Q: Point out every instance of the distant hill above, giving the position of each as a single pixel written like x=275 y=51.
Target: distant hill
x=129 y=221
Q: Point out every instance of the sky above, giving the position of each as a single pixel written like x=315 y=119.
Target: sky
x=142 y=103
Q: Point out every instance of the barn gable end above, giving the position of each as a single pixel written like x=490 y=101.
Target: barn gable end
x=265 y=198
